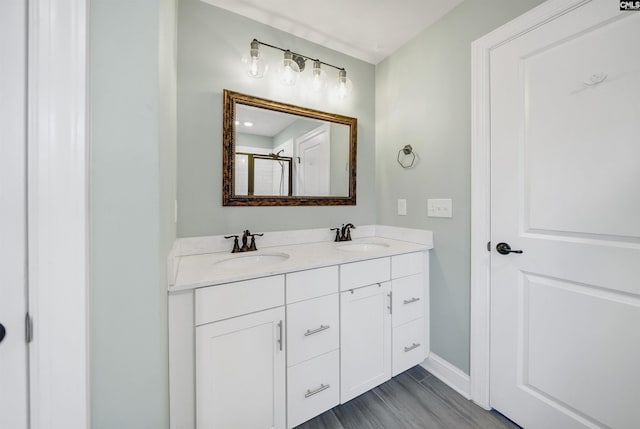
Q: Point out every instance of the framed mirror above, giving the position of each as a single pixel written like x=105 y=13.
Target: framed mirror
x=277 y=154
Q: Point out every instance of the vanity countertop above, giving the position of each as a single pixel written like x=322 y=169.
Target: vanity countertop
x=193 y=271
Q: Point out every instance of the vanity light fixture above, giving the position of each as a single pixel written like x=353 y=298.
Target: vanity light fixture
x=292 y=65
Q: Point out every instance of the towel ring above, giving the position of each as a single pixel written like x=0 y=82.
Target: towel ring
x=406 y=157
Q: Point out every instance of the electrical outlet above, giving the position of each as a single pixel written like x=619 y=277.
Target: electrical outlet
x=441 y=207
x=402 y=207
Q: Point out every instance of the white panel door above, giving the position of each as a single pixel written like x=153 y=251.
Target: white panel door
x=314 y=160
x=565 y=189
x=365 y=339
x=13 y=306
x=240 y=372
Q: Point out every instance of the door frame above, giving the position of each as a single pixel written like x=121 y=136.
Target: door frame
x=480 y=319
x=58 y=212
x=14 y=358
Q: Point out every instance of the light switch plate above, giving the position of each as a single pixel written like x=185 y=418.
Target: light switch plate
x=402 y=207
x=440 y=207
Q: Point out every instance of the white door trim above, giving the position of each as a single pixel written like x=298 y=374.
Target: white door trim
x=14 y=392
x=58 y=216
x=481 y=184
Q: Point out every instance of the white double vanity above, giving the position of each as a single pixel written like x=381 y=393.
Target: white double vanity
x=271 y=338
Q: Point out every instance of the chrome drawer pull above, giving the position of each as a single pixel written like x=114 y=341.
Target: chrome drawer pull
x=315 y=331
x=411 y=301
x=411 y=347
x=318 y=390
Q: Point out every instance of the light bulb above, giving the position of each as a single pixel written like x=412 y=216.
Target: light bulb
x=289 y=71
x=256 y=67
x=344 y=84
x=318 y=77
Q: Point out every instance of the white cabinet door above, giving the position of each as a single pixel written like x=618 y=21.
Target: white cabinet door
x=240 y=372
x=365 y=340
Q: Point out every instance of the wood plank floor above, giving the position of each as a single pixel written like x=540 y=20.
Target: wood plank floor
x=414 y=399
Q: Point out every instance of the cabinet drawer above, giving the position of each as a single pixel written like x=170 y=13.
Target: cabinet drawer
x=234 y=299
x=408 y=299
x=407 y=264
x=313 y=388
x=408 y=346
x=312 y=328
x=312 y=283
x=364 y=273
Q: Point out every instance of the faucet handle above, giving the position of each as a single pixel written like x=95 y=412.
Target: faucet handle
x=337 y=230
x=236 y=246
x=252 y=246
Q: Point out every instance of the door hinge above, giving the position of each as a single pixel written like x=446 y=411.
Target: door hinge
x=28 y=328
x=488 y=246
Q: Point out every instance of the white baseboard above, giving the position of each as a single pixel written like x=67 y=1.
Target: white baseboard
x=448 y=374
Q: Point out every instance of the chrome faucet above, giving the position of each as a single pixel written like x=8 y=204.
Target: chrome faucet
x=344 y=233
x=245 y=247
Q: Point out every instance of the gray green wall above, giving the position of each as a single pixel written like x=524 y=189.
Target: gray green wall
x=211 y=42
x=133 y=175
x=423 y=98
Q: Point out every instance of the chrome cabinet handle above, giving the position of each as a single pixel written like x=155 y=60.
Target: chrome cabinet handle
x=411 y=347
x=315 y=331
x=411 y=301
x=390 y=307
x=280 y=335
x=318 y=390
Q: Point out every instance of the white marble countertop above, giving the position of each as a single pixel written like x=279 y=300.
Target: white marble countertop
x=193 y=271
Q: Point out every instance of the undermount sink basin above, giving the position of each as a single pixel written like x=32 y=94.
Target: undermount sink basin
x=361 y=246
x=252 y=261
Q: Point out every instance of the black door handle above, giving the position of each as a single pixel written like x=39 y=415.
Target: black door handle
x=2 y=332
x=505 y=249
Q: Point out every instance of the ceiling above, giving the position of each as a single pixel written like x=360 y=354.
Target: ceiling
x=366 y=29
x=264 y=122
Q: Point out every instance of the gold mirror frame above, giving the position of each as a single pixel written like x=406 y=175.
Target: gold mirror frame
x=232 y=98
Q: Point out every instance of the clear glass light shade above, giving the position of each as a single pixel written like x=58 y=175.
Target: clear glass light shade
x=318 y=78
x=344 y=85
x=255 y=65
x=289 y=72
